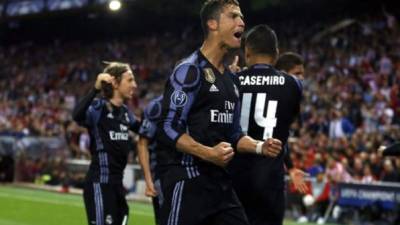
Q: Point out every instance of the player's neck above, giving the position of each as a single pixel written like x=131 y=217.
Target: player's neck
x=117 y=100
x=261 y=59
x=214 y=53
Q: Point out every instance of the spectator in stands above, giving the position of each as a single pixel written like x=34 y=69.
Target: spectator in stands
x=389 y=173
x=367 y=176
x=336 y=172
x=339 y=126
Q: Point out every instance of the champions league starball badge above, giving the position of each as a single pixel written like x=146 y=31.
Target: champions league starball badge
x=179 y=98
x=209 y=75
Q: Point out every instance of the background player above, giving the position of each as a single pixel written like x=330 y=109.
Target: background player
x=201 y=109
x=270 y=102
x=146 y=151
x=108 y=121
x=291 y=63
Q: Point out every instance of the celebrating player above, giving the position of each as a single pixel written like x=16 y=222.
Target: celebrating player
x=270 y=102
x=199 y=128
x=108 y=121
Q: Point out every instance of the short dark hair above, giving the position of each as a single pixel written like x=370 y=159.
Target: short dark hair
x=261 y=39
x=288 y=61
x=211 y=9
x=115 y=69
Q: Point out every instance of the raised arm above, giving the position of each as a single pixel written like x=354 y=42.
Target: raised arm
x=80 y=111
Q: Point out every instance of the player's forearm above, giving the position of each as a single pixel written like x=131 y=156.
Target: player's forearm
x=188 y=145
x=247 y=144
x=79 y=113
x=287 y=159
x=144 y=159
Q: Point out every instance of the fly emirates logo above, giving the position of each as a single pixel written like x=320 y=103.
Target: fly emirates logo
x=120 y=136
x=225 y=116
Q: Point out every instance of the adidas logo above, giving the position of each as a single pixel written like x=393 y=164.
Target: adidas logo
x=214 y=88
x=110 y=115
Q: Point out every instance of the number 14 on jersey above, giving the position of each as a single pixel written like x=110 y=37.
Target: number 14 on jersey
x=268 y=122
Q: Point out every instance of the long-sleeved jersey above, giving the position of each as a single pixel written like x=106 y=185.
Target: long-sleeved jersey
x=270 y=103
x=148 y=129
x=202 y=102
x=108 y=127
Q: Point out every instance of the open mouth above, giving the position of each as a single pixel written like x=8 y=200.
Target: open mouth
x=238 y=34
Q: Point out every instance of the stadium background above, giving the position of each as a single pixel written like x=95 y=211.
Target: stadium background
x=51 y=51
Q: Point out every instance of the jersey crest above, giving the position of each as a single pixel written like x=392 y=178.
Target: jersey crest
x=209 y=75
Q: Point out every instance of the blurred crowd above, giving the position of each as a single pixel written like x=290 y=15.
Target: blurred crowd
x=351 y=100
x=350 y=110
x=40 y=84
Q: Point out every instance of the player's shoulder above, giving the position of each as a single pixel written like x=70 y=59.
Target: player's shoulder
x=192 y=61
x=98 y=103
x=187 y=71
x=294 y=80
x=287 y=76
x=284 y=74
x=153 y=109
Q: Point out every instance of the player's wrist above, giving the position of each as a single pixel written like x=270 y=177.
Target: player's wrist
x=149 y=182
x=259 y=148
x=206 y=152
x=289 y=164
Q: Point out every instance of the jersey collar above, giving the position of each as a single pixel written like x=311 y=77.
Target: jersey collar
x=261 y=66
x=203 y=62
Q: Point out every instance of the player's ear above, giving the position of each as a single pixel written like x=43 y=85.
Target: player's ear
x=276 y=55
x=247 y=54
x=115 y=82
x=212 y=24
